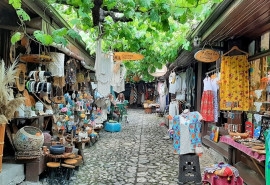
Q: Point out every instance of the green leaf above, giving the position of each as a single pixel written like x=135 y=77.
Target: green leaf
x=60 y=40
x=145 y=3
x=154 y=15
x=73 y=34
x=75 y=21
x=179 y=12
x=15 y=3
x=60 y=32
x=165 y=25
x=45 y=39
x=15 y=38
x=183 y=19
x=22 y=15
x=129 y=13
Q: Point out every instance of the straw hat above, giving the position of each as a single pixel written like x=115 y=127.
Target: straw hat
x=20 y=76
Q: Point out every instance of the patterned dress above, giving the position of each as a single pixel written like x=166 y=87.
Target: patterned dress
x=207 y=102
x=234 y=83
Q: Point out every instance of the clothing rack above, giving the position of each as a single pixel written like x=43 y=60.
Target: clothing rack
x=214 y=70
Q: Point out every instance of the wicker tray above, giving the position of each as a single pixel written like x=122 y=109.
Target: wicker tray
x=64 y=155
x=35 y=58
x=28 y=154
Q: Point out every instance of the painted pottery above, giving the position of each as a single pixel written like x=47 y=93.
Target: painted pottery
x=28 y=138
x=57 y=149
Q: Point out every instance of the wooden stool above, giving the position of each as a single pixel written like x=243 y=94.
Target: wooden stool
x=79 y=161
x=69 y=165
x=70 y=161
x=67 y=171
x=54 y=176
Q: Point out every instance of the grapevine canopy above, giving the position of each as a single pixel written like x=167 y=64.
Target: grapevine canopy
x=157 y=29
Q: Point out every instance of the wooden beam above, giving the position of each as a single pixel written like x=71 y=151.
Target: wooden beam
x=16 y=28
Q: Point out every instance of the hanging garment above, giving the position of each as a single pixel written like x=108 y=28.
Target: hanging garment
x=118 y=79
x=207 y=101
x=214 y=83
x=56 y=67
x=234 y=83
x=104 y=68
x=189 y=85
x=172 y=83
x=177 y=83
x=135 y=94
x=187 y=136
x=71 y=67
x=162 y=90
x=131 y=96
x=173 y=111
x=181 y=95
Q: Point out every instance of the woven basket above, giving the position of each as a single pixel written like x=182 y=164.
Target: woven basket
x=28 y=138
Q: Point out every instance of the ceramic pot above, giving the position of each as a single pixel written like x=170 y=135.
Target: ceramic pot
x=57 y=149
x=28 y=138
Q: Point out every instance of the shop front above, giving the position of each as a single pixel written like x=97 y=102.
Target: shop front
x=232 y=92
x=47 y=94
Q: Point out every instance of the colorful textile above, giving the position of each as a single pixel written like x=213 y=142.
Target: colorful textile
x=267 y=159
x=213 y=179
x=228 y=140
x=207 y=106
x=234 y=83
x=215 y=88
x=207 y=101
x=192 y=121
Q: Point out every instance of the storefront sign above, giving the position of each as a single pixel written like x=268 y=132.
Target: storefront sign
x=121 y=56
x=206 y=55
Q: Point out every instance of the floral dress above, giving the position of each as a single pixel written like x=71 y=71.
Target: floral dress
x=207 y=102
x=234 y=83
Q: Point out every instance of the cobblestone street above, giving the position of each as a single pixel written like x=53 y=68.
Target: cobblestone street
x=136 y=155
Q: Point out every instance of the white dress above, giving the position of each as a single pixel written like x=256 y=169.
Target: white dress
x=182 y=94
x=103 y=67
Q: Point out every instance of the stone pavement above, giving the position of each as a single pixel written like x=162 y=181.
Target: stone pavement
x=138 y=155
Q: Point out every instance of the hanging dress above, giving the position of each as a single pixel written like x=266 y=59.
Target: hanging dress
x=207 y=102
x=103 y=67
x=234 y=83
x=215 y=87
x=181 y=95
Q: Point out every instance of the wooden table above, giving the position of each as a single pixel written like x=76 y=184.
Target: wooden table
x=79 y=144
x=254 y=158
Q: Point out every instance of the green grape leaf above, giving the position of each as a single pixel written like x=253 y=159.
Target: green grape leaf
x=145 y=3
x=179 y=12
x=60 y=40
x=154 y=15
x=75 y=21
x=60 y=32
x=15 y=3
x=23 y=15
x=45 y=39
x=15 y=38
x=73 y=34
